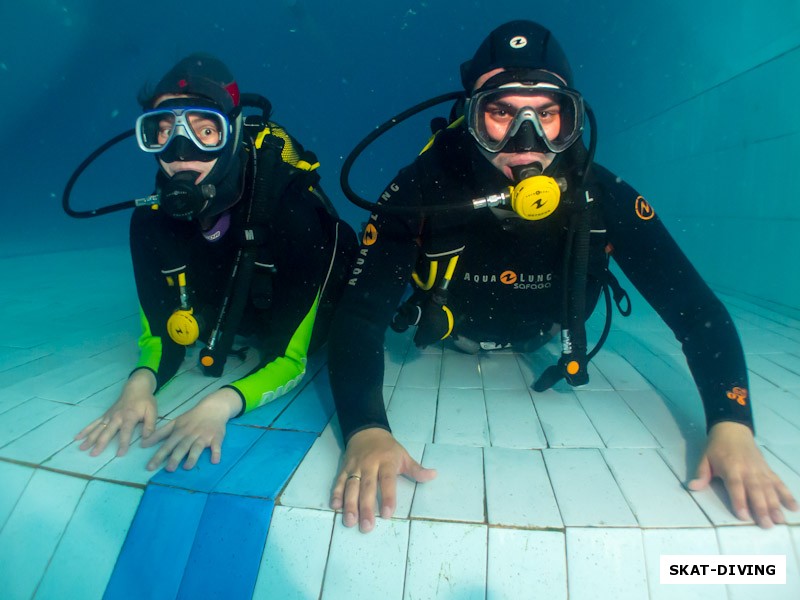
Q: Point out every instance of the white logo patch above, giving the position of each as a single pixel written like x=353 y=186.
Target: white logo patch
x=518 y=41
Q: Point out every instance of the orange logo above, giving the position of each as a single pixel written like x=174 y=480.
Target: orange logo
x=738 y=394
x=370 y=235
x=644 y=210
x=508 y=277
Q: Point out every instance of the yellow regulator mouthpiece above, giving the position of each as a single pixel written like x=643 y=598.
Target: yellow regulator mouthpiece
x=183 y=328
x=535 y=198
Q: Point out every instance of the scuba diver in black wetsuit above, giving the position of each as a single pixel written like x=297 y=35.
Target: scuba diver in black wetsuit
x=238 y=239
x=506 y=227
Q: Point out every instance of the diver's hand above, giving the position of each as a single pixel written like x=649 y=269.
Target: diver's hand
x=136 y=404
x=732 y=455
x=375 y=457
x=195 y=430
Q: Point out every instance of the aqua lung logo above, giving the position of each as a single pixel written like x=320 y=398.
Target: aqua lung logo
x=370 y=236
x=518 y=41
x=517 y=281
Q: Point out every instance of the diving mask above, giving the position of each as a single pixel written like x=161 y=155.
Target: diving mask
x=525 y=117
x=206 y=128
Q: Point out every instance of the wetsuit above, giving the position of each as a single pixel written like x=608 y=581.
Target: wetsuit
x=287 y=312
x=507 y=284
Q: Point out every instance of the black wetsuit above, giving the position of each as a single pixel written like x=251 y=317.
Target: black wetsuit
x=507 y=284
x=287 y=312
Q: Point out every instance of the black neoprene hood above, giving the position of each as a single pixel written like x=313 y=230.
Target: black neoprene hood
x=519 y=45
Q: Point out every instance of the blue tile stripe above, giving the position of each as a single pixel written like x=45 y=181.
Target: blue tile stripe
x=227 y=549
x=201 y=533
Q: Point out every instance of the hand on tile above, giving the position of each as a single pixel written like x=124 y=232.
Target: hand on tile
x=195 y=430
x=135 y=405
x=755 y=491
x=372 y=458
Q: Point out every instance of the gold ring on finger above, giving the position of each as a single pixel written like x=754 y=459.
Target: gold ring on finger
x=349 y=477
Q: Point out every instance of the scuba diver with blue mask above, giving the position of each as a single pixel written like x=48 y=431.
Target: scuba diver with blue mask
x=237 y=239
x=505 y=226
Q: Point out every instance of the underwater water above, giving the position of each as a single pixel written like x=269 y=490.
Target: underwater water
x=696 y=105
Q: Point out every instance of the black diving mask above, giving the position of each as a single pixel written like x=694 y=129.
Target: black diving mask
x=525 y=117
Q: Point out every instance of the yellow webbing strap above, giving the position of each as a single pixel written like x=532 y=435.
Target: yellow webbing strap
x=452 y=125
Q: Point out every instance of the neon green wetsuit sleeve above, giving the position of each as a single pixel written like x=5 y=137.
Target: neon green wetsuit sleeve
x=282 y=374
x=149 y=346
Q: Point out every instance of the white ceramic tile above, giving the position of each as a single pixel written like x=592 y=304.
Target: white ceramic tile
x=10 y=398
x=388 y=390
x=713 y=500
x=660 y=419
x=518 y=491
x=41 y=443
x=526 y=564
x=564 y=421
x=460 y=370
x=679 y=542
x=87 y=383
x=501 y=372
x=461 y=418
x=412 y=413
x=41 y=514
x=457 y=492
x=513 y=422
x=55 y=376
x=421 y=372
x=14 y=357
x=446 y=560
x=406 y=487
x=656 y=496
x=784 y=403
x=586 y=491
x=182 y=389
x=15 y=478
x=86 y=555
x=605 y=563
x=788 y=453
x=361 y=564
x=21 y=419
x=391 y=369
x=613 y=419
x=794 y=533
x=771 y=370
x=131 y=467
x=771 y=428
x=293 y=563
x=619 y=372
x=312 y=483
x=751 y=540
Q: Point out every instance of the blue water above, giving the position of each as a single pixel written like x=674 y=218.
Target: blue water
x=696 y=104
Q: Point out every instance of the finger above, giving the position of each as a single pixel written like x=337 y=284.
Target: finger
x=786 y=497
x=736 y=491
x=417 y=472
x=351 y=493
x=87 y=430
x=162 y=453
x=194 y=454
x=702 y=477
x=149 y=420
x=160 y=434
x=759 y=503
x=125 y=435
x=216 y=452
x=337 y=496
x=181 y=450
x=107 y=433
x=366 y=506
x=388 y=484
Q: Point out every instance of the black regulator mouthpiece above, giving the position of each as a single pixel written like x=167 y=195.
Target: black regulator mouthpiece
x=522 y=172
x=182 y=198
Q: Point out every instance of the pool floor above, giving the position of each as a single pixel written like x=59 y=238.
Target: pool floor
x=572 y=493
